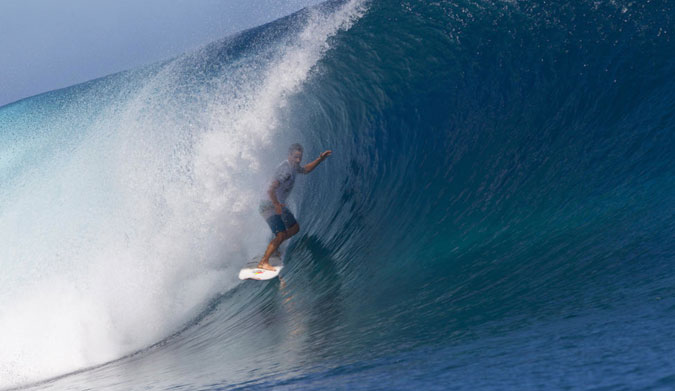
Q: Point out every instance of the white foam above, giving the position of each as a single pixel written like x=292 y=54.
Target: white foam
x=115 y=242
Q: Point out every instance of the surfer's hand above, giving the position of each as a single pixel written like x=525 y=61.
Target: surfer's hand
x=324 y=155
x=277 y=208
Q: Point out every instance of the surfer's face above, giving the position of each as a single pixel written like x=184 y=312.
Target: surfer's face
x=295 y=158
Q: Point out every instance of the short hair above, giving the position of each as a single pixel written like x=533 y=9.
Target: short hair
x=294 y=147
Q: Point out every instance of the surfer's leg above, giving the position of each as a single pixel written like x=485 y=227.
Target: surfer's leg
x=292 y=231
x=279 y=230
x=278 y=224
x=274 y=244
x=290 y=222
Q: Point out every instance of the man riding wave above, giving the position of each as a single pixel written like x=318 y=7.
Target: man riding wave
x=272 y=207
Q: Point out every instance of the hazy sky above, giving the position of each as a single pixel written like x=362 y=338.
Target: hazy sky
x=50 y=44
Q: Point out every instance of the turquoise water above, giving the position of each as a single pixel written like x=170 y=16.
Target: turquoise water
x=497 y=212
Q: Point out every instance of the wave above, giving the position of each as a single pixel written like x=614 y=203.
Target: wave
x=496 y=165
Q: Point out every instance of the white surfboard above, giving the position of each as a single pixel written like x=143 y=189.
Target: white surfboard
x=251 y=272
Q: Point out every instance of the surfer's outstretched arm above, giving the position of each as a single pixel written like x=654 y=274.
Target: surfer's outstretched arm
x=312 y=165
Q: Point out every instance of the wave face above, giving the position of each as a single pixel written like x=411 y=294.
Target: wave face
x=497 y=213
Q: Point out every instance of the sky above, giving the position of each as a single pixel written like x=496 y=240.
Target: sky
x=49 y=44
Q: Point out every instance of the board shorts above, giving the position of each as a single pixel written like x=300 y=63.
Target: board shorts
x=277 y=223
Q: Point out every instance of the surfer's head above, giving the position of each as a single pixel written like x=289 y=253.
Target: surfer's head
x=295 y=154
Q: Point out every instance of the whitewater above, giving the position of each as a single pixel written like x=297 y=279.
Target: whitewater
x=498 y=212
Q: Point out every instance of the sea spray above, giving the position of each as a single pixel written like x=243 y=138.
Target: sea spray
x=136 y=198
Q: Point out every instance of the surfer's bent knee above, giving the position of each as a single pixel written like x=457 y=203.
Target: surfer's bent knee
x=280 y=237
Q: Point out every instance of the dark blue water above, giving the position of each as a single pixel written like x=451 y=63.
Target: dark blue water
x=498 y=212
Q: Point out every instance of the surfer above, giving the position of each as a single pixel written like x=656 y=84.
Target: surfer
x=273 y=208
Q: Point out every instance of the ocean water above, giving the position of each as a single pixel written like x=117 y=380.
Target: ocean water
x=498 y=212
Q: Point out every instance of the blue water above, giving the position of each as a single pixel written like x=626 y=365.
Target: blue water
x=498 y=212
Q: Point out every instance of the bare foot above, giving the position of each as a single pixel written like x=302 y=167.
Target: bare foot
x=266 y=266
